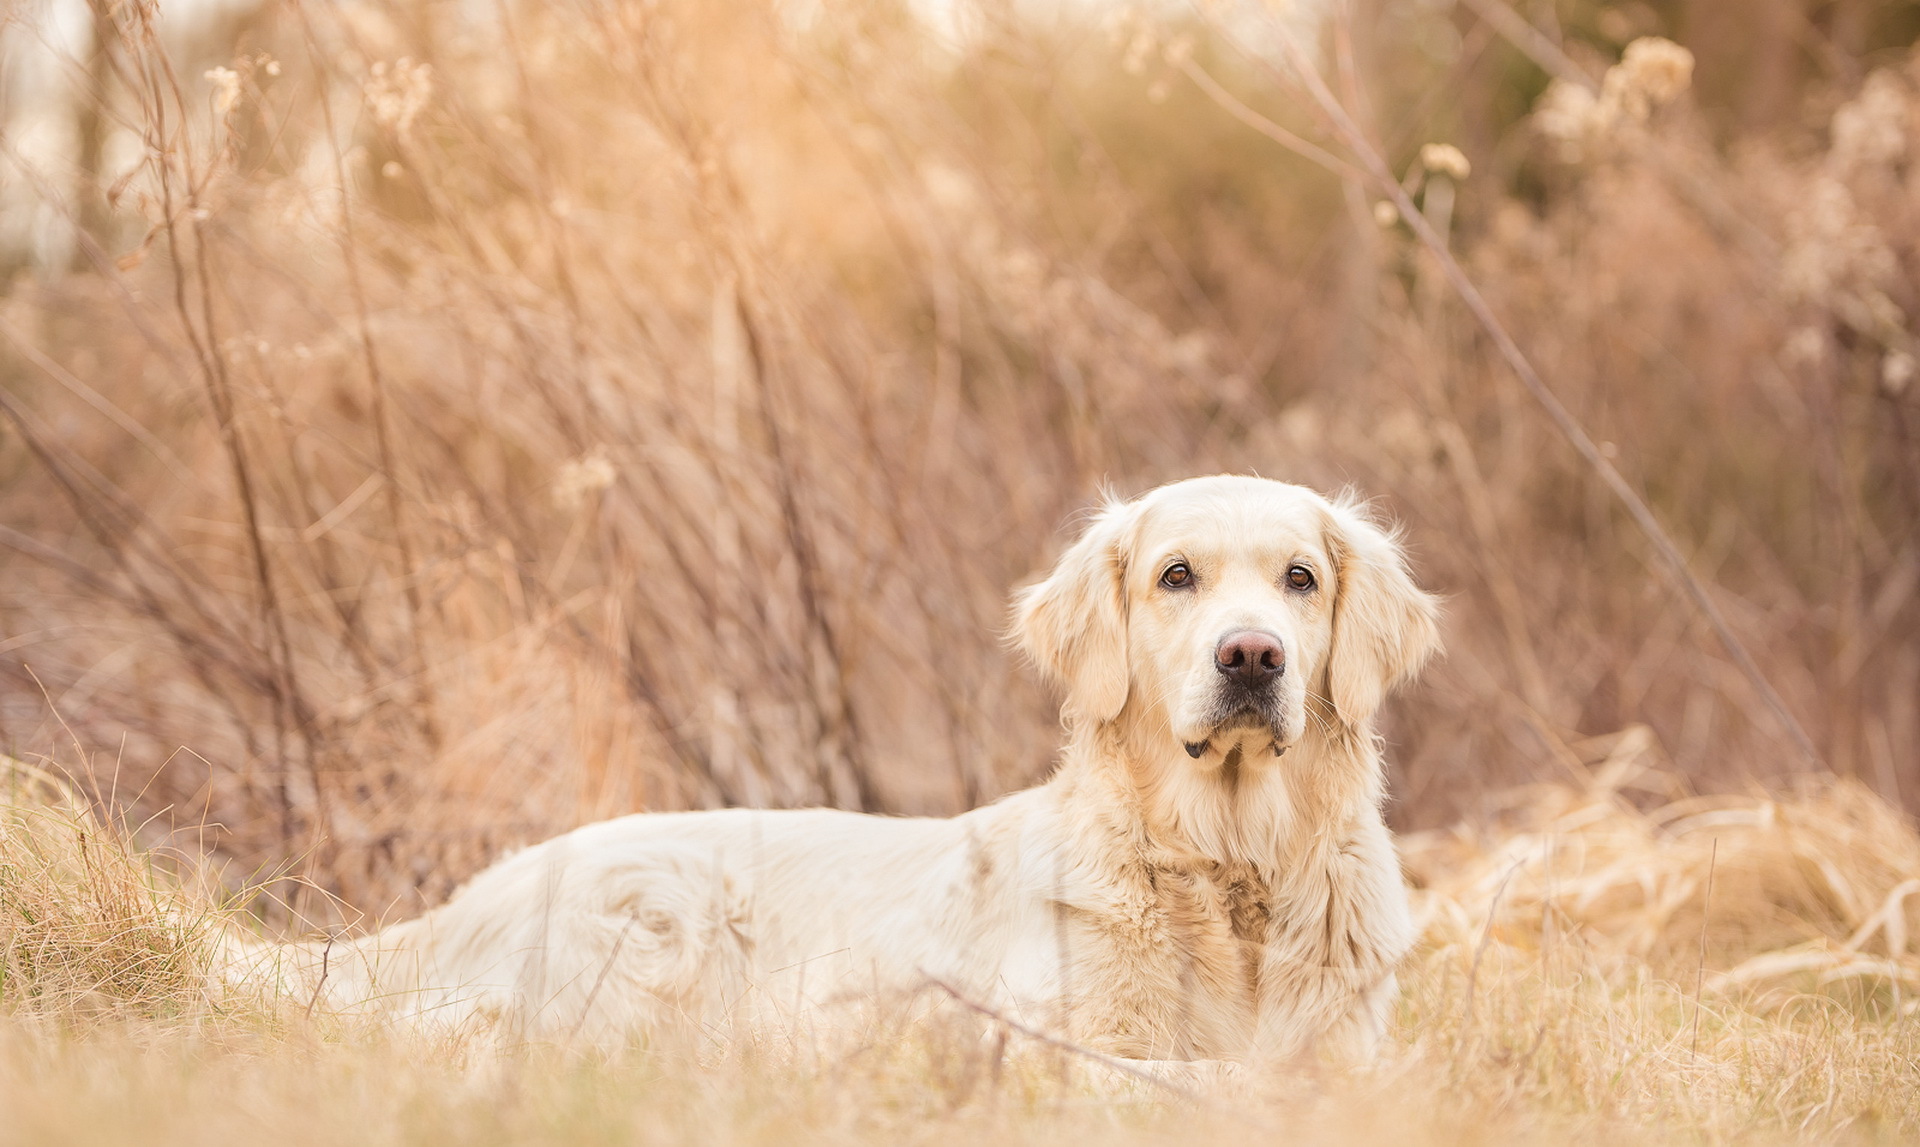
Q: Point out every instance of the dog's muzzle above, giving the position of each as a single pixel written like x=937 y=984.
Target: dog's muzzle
x=1251 y=663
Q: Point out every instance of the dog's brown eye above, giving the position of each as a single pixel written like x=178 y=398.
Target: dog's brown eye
x=1300 y=578
x=1178 y=576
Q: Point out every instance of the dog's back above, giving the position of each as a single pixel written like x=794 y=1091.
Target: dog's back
x=702 y=918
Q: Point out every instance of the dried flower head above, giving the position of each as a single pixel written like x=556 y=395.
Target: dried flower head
x=1652 y=73
x=1834 y=253
x=1139 y=51
x=1805 y=346
x=397 y=93
x=1566 y=114
x=1178 y=51
x=950 y=188
x=588 y=474
x=1896 y=372
x=1445 y=159
x=1870 y=130
x=226 y=89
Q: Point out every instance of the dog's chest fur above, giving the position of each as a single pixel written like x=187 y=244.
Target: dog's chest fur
x=1219 y=914
x=1176 y=955
x=1170 y=958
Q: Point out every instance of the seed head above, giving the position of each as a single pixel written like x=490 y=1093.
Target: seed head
x=581 y=477
x=397 y=93
x=1139 y=51
x=226 y=89
x=1834 y=252
x=1653 y=72
x=1870 y=130
x=1445 y=159
x=1896 y=372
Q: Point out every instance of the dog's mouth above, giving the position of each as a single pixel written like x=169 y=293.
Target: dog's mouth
x=1243 y=728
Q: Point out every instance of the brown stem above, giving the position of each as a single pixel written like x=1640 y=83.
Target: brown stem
x=1563 y=418
x=1304 y=74
x=376 y=384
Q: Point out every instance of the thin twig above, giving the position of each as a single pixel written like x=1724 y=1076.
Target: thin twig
x=1065 y=1045
x=99 y=402
x=377 y=388
x=1700 y=973
x=171 y=162
x=53 y=708
x=1480 y=949
x=1238 y=109
x=1532 y=43
x=593 y=993
x=326 y=966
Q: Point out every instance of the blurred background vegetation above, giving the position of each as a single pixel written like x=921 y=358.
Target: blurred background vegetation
x=428 y=426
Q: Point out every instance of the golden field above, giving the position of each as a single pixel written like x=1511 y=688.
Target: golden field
x=428 y=428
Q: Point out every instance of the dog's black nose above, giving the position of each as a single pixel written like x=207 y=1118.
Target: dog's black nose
x=1250 y=656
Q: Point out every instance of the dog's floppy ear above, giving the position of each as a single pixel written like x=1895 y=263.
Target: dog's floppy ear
x=1074 y=622
x=1384 y=626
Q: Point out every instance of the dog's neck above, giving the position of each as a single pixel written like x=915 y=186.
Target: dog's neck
x=1234 y=806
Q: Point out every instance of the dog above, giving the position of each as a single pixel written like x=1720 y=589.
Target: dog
x=1206 y=875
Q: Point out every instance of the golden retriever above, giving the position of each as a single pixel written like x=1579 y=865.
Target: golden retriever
x=1206 y=875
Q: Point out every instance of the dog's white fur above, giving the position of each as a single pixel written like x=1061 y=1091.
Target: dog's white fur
x=1244 y=904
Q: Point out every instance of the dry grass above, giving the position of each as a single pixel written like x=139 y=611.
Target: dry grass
x=89 y=932
x=1574 y=983
x=1721 y=964
x=427 y=429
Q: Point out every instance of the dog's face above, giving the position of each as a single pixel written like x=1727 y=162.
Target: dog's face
x=1220 y=613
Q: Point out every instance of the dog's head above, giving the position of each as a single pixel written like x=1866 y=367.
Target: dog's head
x=1209 y=611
